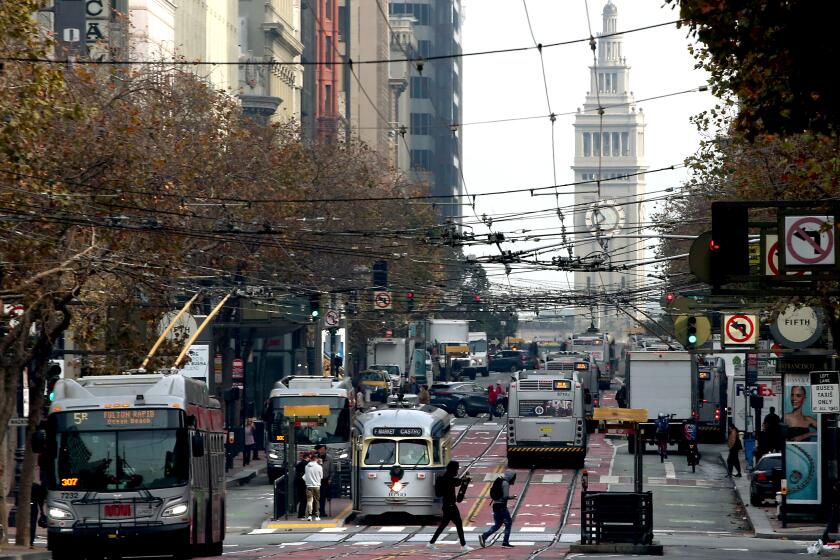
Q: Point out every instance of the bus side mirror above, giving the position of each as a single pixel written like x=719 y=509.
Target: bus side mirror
x=39 y=441
x=197 y=445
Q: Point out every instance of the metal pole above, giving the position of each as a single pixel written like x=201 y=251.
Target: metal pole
x=638 y=458
x=291 y=455
x=168 y=330
x=198 y=331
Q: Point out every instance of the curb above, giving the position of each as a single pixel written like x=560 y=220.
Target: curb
x=243 y=477
x=758 y=519
x=34 y=555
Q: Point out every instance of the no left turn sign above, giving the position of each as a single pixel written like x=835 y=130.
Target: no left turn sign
x=331 y=318
x=809 y=241
x=382 y=300
x=739 y=329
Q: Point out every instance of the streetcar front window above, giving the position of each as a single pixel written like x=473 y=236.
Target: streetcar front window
x=414 y=452
x=381 y=452
x=121 y=460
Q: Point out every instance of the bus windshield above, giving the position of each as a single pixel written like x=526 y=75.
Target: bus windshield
x=335 y=427
x=121 y=460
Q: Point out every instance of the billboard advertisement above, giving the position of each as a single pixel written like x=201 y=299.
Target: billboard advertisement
x=802 y=445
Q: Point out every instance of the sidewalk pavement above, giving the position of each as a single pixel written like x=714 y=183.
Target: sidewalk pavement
x=764 y=520
x=241 y=474
x=12 y=552
x=340 y=510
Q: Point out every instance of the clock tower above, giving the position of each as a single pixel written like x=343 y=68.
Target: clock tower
x=609 y=160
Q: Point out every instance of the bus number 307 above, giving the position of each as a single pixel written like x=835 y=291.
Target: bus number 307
x=69 y=481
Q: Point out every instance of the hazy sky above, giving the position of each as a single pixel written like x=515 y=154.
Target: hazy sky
x=512 y=155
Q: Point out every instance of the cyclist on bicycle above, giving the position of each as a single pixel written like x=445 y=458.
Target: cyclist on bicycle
x=662 y=434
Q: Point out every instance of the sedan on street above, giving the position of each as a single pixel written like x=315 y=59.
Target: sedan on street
x=464 y=399
x=766 y=479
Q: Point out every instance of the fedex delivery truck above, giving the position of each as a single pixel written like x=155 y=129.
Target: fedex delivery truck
x=768 y=386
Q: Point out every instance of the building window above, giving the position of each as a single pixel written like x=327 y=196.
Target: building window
x=421 y=159
x=421 y=123
x=596 y=143
x=616 y=147
x=342 y=22
x=328 y=47
x=587 y=144
x=424 y=48
x=420 y=87
x=422 y=12
x=606 y=137
x=625 y=143
x=328 y=100
x=329 y=9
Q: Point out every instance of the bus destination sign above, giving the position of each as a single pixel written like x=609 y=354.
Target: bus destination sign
x=122 y=418
x=398 y=432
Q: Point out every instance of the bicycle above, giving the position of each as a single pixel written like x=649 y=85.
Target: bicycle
x=662 y=443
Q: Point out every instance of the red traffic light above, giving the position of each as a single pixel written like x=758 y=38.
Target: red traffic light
x=410 y=295
x=477 y=297
x=713 y=246
x=669 y=296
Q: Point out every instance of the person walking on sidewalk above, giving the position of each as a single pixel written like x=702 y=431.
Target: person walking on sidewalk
x=300 y=485
x=327 y=466
x=249 y=442
x=446 y=487
x=312 y=477
x=732 y=460
x=500 y=494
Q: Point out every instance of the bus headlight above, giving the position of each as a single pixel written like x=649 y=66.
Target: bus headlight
x=273 y=456
x=58 y=513
x=343 y=456
x=175 y=511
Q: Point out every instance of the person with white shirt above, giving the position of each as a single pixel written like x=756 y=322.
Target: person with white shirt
x=312 y=477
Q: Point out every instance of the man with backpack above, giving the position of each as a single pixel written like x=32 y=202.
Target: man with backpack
x=500 y=494
x=446 y=487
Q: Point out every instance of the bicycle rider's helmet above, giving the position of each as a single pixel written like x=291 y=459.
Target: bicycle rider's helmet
x=662 y=415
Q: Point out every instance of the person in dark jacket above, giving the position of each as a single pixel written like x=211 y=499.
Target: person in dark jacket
x=501 y=514
x=327 y=466
x=447 y=486
x=300 y=485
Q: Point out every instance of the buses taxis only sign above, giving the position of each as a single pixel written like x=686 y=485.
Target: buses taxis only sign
x=825 y=391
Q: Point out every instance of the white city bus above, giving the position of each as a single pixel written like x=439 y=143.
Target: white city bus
x=135 y=464
x=546 y=418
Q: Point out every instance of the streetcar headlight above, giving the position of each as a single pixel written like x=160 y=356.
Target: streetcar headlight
x=273 y=456
x=58 y=513
x=396 y=486
x=174 y=511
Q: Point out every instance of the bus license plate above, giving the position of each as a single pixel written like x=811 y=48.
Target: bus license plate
x=117 y=510
x=545 y=429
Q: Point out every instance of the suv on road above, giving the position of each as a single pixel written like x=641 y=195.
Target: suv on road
x=464 y=399
x=512 y=360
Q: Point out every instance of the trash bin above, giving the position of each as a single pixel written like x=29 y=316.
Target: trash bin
x=616 y=517
x=749 y=449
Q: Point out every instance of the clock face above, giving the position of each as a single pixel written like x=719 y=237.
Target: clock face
x=605 y=217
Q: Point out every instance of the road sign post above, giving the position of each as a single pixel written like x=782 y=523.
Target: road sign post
x=807 y=242
x=825 y=389
x=382 y=301
x=740 y=329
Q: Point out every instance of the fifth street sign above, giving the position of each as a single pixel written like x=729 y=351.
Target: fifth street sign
x=825 y=391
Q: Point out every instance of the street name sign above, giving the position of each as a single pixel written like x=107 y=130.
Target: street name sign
x=797 y=327
x=825 y=391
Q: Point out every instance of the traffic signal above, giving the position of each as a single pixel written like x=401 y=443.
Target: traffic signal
x=729 y=247
x=409 y=301
x=691 y=331
x=380 y=275
x=315 y=305
x=669 y=297
x=51 y=381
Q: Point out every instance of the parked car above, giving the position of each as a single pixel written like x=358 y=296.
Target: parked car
x=766 y=479
x=375 y=381
x=464 y=399
x=513 y=360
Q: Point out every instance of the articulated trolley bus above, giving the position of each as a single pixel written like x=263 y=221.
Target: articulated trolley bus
x=546 y=417
x=578 y=364
x=397 y=453
x=601 y=348
x=136 y=463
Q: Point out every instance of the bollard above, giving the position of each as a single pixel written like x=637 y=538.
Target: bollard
x=280 y=497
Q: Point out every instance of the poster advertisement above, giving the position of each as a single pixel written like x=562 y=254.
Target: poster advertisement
x=551 y=408
x=802 y=448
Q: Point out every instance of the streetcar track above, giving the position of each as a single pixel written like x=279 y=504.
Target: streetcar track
x=567 y=509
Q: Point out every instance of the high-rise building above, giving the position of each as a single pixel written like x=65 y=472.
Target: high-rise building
x=321 y=110
x=209 y=31
x=269 y=31
x=434 y=99
x=609 y=159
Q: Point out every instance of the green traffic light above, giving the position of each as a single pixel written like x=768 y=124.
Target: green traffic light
x=52 y=396
x=692 y=339
x=315 y=313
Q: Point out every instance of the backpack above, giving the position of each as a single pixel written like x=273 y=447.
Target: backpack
x=496 y=490
x=661 y=425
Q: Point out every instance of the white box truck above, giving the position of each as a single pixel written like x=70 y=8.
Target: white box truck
x=391 y=355
x=450 y=339
x=661 y=382
x=767 y=386
x=478 y=352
